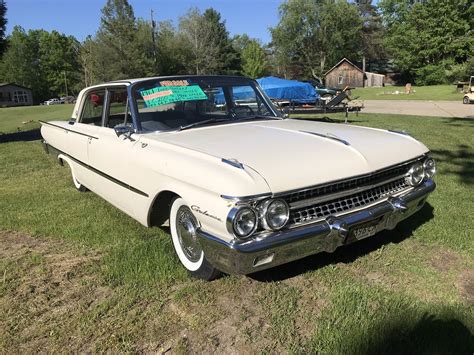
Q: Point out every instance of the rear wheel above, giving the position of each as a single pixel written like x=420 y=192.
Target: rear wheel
x=183 y=226
x=77 y=184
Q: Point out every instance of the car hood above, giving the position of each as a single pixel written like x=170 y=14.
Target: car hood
x=291 y=154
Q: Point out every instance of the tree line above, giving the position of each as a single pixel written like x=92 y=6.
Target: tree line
x=427 y=41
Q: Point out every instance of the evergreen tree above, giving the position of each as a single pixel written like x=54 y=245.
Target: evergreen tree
x=372 y=32
x=226 y=60
x=116 y=38
x=3 y=25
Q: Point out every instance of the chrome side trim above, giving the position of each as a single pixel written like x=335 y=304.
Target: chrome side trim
x=328 y=136
x=405 y=133
x=68 y=130
x=314 y=200
x=249 y=198
x=104 y=175
x=233 y=162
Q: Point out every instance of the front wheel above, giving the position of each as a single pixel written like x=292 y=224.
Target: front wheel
x=183 y=226
x=465 y=100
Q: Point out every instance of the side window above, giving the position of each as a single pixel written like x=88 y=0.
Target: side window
x=246 y=102
x=118 y=111
x=93 y=108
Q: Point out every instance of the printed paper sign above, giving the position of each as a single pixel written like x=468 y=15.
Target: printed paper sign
x=168 y=94
x=174 y=83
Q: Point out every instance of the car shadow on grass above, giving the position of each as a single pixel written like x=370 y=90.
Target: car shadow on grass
x=409 y=333
x=459 y=121
x=463 y=160
x=349 y=253
x=22 y=136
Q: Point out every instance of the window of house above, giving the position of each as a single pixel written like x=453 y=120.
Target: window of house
x=93 y=108
x=341 y=80
x=20 y=96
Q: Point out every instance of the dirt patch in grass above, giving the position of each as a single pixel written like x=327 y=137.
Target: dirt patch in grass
x=466 y=286
x=44 y=281
x=444 y=260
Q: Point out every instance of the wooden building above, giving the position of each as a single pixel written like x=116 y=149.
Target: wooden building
x=343 y=74
x=15 y=95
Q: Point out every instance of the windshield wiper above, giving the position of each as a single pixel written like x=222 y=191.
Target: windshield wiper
x=195 y=124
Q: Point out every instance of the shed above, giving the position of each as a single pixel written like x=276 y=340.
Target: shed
x=374 y=79
x=15 y=95
x=343 y=74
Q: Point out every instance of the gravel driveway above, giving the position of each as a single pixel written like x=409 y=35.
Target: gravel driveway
x=420 y=108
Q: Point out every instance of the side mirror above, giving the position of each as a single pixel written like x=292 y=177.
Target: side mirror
x=123 y=129
x=72 y=121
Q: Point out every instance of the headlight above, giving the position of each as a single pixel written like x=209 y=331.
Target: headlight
x=245 y=222
x=274 y=214
x=415 y=175
x=430 y=168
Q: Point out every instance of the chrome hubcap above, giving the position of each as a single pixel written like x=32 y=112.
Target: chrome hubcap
x=186 y=226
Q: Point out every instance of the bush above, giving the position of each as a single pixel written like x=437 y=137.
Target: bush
x=431 y=74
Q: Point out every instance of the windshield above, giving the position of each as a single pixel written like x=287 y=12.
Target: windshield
x=167 y=104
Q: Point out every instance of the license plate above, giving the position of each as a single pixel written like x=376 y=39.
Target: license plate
x=364 y=230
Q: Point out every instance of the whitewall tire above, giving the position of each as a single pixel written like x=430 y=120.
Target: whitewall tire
x=77 y=184
x=183 y=227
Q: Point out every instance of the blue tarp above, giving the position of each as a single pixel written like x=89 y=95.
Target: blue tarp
x=278 y=89
x=292 y=90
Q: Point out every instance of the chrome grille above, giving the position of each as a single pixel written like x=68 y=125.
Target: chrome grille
x=348 y=184
x=342 y=196
x=346 y=203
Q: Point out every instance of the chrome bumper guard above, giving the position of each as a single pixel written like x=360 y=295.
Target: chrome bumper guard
x=288 y=245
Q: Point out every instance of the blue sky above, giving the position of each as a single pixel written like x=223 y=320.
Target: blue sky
x=82 y=17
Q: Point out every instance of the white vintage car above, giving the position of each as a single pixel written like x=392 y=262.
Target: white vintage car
x=243 y=188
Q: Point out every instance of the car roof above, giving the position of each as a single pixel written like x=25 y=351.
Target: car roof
x=129 y=82
x=136 y=80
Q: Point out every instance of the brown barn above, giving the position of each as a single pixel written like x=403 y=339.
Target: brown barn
x=343 y=74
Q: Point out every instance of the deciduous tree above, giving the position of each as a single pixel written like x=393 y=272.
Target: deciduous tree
x=254 y=62
x=314 y=34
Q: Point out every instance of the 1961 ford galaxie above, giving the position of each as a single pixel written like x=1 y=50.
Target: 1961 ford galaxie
x=242 y=187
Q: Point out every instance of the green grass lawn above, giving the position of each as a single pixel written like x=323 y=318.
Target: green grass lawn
x=14 y=119
x=433 y=93
x=78 y=274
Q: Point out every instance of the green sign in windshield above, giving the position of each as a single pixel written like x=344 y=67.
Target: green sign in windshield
x=164 y=95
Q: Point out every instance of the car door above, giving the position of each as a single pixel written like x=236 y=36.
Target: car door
x=113 y=157
x=72 y=138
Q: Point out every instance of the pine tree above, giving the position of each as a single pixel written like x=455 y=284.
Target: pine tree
x=3 y=25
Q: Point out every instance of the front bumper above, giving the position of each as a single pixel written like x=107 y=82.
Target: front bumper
x=288 y=245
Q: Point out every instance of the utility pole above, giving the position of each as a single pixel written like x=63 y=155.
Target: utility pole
x=153 y=26
x=65 y=82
